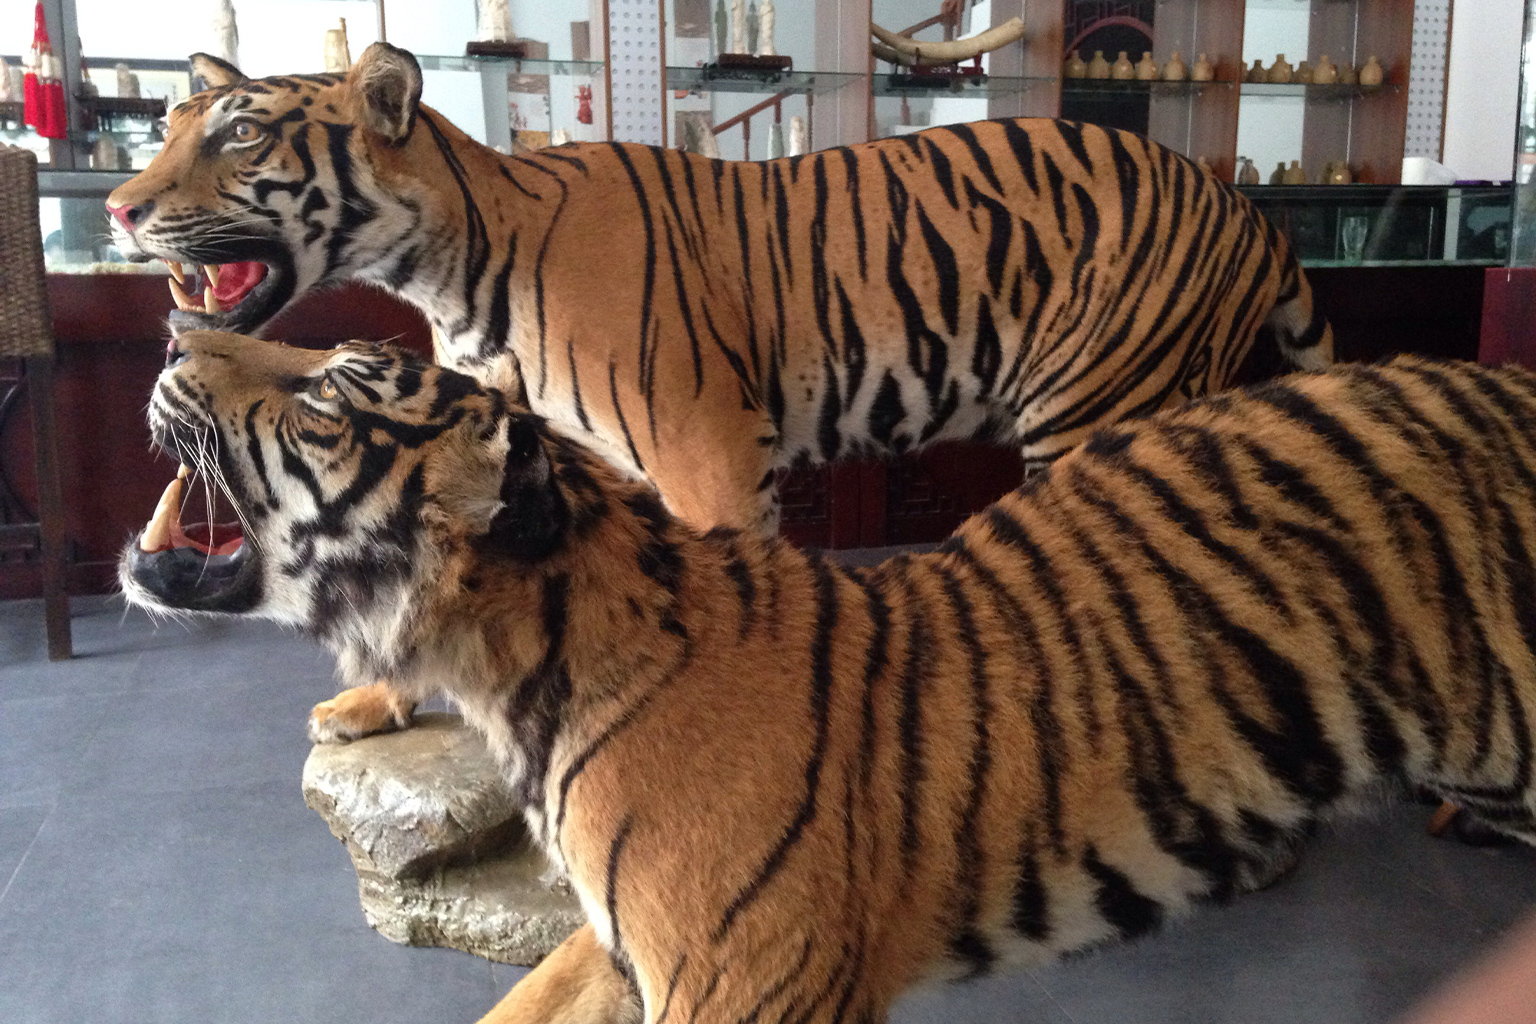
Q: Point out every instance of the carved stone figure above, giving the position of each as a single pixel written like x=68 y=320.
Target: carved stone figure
x=799 y=141
x=1146 y=68
x=338 y=54
x=495 y=21
x=775 y=141
x=127 y=83
x=722 y=29
x=226 y=34
x=765 y=20
x=738 y=26
x=752 y=27
x=584 y=104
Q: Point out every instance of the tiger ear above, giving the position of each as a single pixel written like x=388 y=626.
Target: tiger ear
x=215 y=73
x=387 y=81
x=533 y=516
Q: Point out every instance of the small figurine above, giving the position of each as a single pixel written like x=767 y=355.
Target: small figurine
x=1202 y=71
x=1278 y=177
x=1280 y=71
x=1123 y=70
x=1325 y=73
x=799 y=141
x=775 y=141
x=1247 y=173
x=752 y=27
x=495 y=21
x=1294 y=175
x=104 y=153
x=584 y=104
x=1303 y=74
x=1257 y=72
x=5 y=82
x=1075 y=66
x=559 y=137
x=338 y=55
x=765 y=20
x=738 y=26
x=1175 y=70
x=1371 y=73
x=722 y=28
x=1146 y=69
x=226 y=34
x=1098 y=67
x=127 y=83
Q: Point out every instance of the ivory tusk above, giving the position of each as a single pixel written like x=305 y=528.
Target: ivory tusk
x=891 y=55
x=946 y=52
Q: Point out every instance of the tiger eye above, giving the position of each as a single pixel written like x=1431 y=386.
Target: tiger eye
x=245 y=131
x=327 y=389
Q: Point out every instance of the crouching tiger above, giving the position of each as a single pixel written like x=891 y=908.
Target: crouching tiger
x=787 y=789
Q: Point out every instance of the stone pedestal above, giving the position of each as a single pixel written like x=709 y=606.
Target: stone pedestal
x=441 y=853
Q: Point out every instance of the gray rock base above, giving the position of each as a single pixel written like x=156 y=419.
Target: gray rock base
x=441 y=853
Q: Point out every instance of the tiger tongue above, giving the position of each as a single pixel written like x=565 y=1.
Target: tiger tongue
x=236 y=281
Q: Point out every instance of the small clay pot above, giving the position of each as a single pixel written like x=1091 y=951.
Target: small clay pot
x=1075 y=66
x=1338 y=173
x=1294 y=175
x=1098 y=67
x=1123 y=70
x=1257 y=72
x=1371 y=73
x=1146 y=68
x=1278 y=177
x=1175 y=70
x=1325 y=73
x=1347 y=74
x=1303 y=74
x=1280 y=71
x=1202 y=71
x=1247 y=173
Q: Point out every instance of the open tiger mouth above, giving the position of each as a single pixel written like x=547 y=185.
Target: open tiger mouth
x=202 y=567
x=239 y=296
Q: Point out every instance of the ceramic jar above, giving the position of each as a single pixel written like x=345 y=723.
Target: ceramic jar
x=1278 y=177
x=1146 y=69
x=1076 y=67
x=1337 y=173
x=1247 y=173
x=1294 y=175
x=1347 y=74
x=1325 y=73
x=1098 y=67
x=1175 y=70
x=1202 y=71
x=1371 y=73
x=1123 y=70
x=1257 y=72
x=1280 y=72
x=1303 y=74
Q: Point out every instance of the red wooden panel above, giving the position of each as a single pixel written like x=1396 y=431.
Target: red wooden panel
x=1509 y=317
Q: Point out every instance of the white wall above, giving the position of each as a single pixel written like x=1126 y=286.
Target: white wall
x=1482 y=93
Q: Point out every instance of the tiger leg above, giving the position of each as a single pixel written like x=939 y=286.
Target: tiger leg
x=1300 y=328
x=707 y=484
x=576 y=984
x=360 y=711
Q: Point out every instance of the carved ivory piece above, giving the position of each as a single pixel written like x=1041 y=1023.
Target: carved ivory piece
x=765 y=18
x=495 y=22
x=897 y=49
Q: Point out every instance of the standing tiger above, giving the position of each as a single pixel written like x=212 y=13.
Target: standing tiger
x=705 y=323
x=787 y=791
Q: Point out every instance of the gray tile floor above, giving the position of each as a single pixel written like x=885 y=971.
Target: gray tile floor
x=157 y=864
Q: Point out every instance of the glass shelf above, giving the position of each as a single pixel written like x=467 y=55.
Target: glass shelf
x=1336 y=91
x=905 y=84
x=1087 y=87
x=525 y=66
x=714 y=79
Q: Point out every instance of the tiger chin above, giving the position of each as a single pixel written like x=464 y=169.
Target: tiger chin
x=784 y=788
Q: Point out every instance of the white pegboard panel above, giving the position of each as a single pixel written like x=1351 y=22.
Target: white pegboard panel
x=1426 y=78
x=634 y=55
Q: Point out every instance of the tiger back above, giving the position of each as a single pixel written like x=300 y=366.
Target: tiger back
x=707 y=323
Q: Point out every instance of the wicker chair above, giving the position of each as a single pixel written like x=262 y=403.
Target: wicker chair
x=26 y=333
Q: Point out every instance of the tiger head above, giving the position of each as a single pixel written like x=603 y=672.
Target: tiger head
x=361 y=476
x=283 y=184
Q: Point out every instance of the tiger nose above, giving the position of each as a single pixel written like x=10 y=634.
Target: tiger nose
x=130 y=216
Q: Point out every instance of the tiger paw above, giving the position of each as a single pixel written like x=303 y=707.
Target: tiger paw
x=360 y=711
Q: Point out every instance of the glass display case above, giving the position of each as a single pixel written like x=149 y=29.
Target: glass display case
x=1524 y=228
